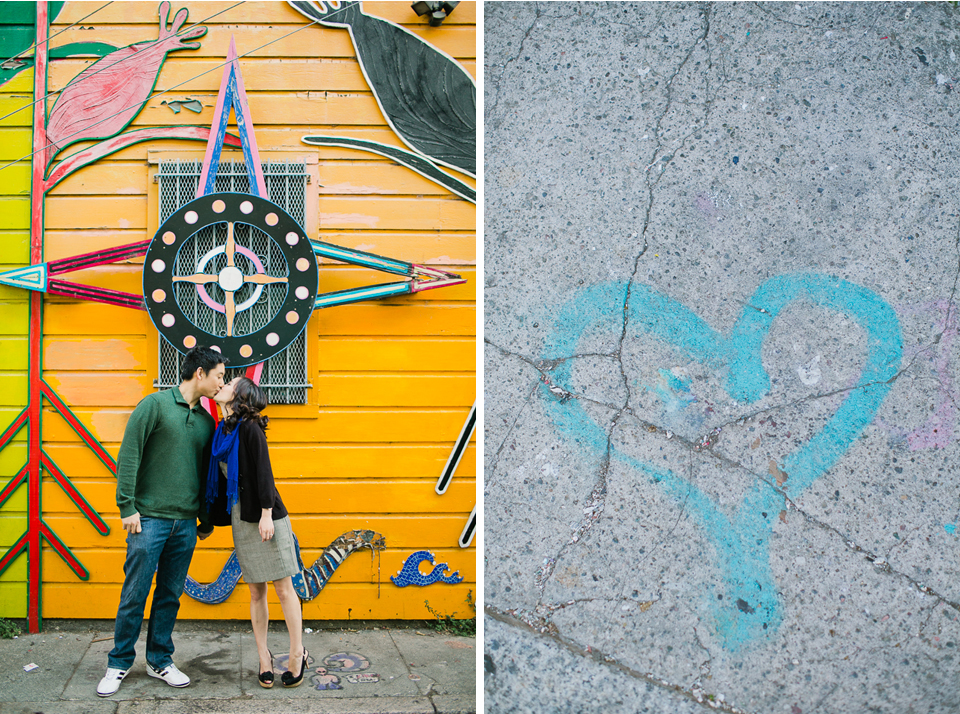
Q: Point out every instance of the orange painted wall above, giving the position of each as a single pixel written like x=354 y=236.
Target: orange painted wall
x=393 y=380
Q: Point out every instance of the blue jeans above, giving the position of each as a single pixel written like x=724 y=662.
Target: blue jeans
x=165 y=547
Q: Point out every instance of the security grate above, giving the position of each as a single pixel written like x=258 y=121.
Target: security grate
x=284 y=376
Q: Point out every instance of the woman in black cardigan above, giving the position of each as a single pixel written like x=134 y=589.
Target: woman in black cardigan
x=241 y=493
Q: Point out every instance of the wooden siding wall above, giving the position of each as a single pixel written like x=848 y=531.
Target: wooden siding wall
x=393 y=380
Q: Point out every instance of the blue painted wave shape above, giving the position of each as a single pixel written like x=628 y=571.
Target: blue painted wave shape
x=751 y=608
x=410 y=572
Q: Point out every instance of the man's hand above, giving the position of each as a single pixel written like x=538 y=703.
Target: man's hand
x=203 y=536
x=131 y=524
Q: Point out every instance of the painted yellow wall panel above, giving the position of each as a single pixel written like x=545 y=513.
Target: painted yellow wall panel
x=13 y=353
x=15 y=145
x=15 y=180
x=16 y=253
x=343 y=173
x=75 y=318
x=96 y=354
x=59 y=244
x=366 y=461
x=125 y=178
x=14 y=211
x=394 y=213
x=352 y=390
x=13 y=593
x=16 y=101
x=13 y=317
x=12 y=522
x=82 y=212
x=13 y=389
x=86 y=389
x=338 y=354
x=371 y=318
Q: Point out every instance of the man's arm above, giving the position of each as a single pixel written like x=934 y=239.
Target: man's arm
x=138 y=430
x=204 y=529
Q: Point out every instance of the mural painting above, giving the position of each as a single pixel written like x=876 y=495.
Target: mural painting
x=387 y=385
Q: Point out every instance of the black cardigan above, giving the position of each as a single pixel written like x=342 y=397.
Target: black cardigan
x=256 y=487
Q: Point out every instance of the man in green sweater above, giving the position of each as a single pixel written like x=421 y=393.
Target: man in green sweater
x=161 y=472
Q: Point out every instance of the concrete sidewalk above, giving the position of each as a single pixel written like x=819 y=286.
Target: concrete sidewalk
x=375 y=668
x=722 y=414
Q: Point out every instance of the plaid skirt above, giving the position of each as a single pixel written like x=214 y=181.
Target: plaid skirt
x=263 y=562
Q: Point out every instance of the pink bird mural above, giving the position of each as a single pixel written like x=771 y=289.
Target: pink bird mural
x=103 y=99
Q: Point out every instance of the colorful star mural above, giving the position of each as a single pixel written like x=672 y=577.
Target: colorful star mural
x=93 y=111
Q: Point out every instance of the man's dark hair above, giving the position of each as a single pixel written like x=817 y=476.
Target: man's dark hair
x=200 y=358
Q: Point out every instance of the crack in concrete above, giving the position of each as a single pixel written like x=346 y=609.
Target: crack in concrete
x=506 y=437
x=878 y=561
x=705 y=667
x=511 y=619
x=658 y=143
x=503 y=71
x=591 y=514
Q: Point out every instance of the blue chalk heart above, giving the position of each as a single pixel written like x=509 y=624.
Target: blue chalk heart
x=751 y=607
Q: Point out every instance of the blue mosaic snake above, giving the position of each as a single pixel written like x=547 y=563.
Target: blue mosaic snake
x=308 y=582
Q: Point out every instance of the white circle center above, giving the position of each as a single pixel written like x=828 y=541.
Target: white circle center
x=230 y=278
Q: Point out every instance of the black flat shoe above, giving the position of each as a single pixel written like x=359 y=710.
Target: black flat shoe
x=287 y=678
x=266 y=678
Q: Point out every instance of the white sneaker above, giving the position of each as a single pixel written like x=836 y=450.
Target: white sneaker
x=110 y=682
x=169 y=674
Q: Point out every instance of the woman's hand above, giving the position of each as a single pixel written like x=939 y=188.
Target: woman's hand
x=266 y=525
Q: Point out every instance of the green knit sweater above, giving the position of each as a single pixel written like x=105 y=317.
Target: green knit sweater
x=163 y=460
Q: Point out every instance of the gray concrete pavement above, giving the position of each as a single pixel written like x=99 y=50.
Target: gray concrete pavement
x=374 y=669
x=721 y=410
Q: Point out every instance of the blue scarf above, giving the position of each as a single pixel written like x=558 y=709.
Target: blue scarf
x=225 y=448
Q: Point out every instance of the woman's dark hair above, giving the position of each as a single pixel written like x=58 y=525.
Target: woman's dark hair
x=248 y=401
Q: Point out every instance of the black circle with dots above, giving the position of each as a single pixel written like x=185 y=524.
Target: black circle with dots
x=301 y=280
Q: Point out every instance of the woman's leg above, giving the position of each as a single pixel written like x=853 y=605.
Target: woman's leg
x=294 y=617
x=260 y=619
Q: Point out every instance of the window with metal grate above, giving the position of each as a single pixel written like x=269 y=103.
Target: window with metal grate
x=284 y=376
